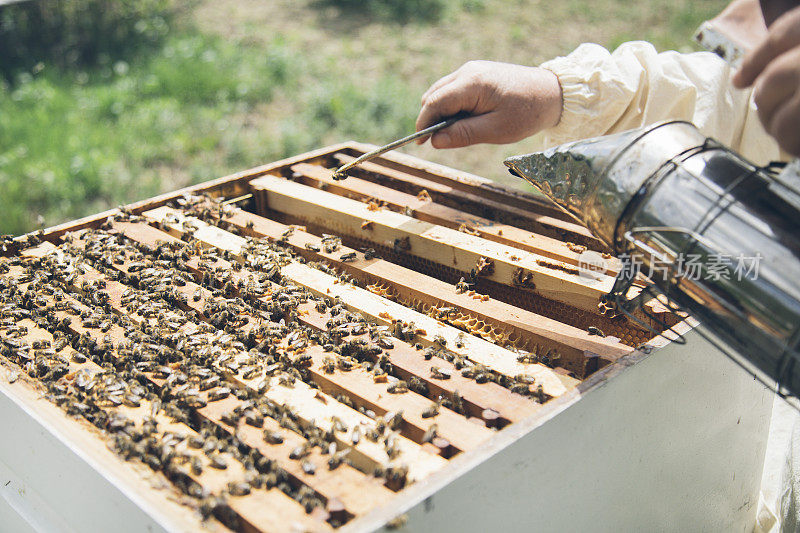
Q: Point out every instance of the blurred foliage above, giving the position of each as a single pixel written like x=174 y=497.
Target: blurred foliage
x=69 y=33
x=375 y=112
x=76 y=143
x=403 y=11
x=180 y=102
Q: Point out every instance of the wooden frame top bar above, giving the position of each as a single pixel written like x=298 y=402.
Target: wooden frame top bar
x=423 y=208
x=449 y=247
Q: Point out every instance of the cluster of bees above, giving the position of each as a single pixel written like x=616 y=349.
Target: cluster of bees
x=455 y=317
x=173 y=352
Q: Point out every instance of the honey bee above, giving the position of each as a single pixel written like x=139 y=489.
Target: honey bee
x=397 y=387
x=273 y=437
x=355 y=435
x=520 y=388
x=432 y=410
x=439 y=373
x=462 y=286
x=540 y=396
x=595 y=331
x=397 y=522
x=402 y=244
x=236 y=488
x=254 y=418
x=484 y=267
x=430 y=433
x=218 y=461
x=231 y=418
x=218 y=394
x=308 y=467
x=196 y=466
x=527 y=357
x=300 y=451
x=527 y=379
x=523 y=278
x=337 y=458
x=429 y=352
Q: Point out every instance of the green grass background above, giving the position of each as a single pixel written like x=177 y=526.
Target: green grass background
x=237 y=84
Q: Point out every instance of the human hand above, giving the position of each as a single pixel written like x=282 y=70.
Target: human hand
x=773 y=68
x=742 y=21
x=506 y=103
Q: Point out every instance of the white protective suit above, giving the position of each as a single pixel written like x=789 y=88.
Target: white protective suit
x=634 y=86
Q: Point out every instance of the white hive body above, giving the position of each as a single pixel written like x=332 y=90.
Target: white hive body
x=411 y=346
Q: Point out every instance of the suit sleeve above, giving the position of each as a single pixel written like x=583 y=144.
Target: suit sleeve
x=635 y=86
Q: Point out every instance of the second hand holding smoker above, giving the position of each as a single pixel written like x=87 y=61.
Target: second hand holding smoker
x=666 y=195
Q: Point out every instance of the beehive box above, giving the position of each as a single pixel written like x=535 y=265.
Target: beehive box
x=411 y=347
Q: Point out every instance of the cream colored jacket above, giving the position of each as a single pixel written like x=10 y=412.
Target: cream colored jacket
x=635 y=86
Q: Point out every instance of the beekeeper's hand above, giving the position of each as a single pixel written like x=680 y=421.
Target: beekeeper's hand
x=506 y=102
x=773 y=68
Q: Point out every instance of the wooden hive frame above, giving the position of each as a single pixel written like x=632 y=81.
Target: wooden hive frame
x=502 y=347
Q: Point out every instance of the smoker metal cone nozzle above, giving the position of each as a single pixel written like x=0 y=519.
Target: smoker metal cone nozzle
x=595 y=179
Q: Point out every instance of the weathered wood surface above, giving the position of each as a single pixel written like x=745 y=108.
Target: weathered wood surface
x=445 y=246
x=580 y=352
x=422 y=207
x=266 y=503
x=376 y=307
x=476 y=203
x=461 y=180
x=406 y=360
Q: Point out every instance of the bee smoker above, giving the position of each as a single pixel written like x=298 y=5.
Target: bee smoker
x=717 y=236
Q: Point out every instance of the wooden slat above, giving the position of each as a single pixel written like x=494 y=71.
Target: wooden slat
x=314 y=408
x=461 y=434
x=375 y=307
x=346 y=484
x=475 y=203
x=259 y=514
x=359 y=493
x=447 y=247
x=357 y=384
x=423 y=208
x=254 y=508
x=318 y=409
x=384 y=311
x=580 y=352
x=477 y=398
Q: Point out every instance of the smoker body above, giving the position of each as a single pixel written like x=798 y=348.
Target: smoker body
x=668 y=440
x=691 y=212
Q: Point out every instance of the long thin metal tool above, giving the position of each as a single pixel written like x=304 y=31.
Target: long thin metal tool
x=340 y=172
